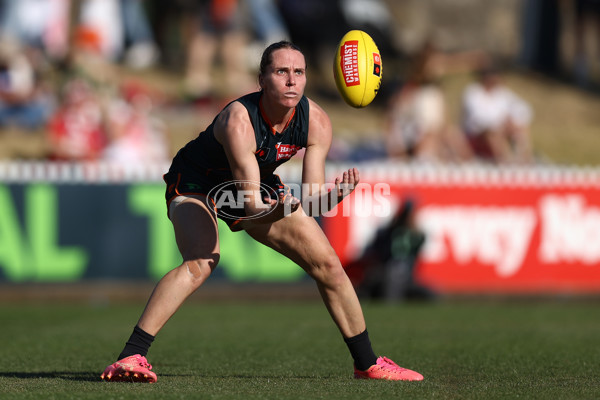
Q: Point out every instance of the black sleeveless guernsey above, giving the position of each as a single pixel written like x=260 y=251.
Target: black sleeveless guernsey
x=202 y=163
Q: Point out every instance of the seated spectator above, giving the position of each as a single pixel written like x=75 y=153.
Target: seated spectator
x=134 y=135
x=267 y=23
x=218 y=38
x=141 y=50
x=87 y=58
x=121 y=26
x=418 y=127
x=77 y=130
x=496 y=120
x=104 y=18
x=42 y=25
x=267 y=26
x=23 y=102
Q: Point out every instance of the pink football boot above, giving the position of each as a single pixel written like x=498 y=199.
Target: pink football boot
x=130 y=369
x=387 y=369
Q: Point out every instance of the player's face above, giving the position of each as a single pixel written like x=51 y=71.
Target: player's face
x=285 y=78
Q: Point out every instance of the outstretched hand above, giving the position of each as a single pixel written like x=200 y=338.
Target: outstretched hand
x=347 y=183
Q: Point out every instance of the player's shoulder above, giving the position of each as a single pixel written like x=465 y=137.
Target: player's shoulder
x=234 y=112
x=317 y=113
x=319 y=125
x=233 y=122
x=234 y=106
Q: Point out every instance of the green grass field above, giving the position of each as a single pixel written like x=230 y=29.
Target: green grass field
x=291 y=350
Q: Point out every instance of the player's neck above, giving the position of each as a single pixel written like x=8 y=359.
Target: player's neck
x=277 y=116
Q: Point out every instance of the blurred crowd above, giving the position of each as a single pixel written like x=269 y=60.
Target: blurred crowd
x=68 y=69
x=494 y=122
x=59 y=82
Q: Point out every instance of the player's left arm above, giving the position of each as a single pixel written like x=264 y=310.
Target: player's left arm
x=316 y=197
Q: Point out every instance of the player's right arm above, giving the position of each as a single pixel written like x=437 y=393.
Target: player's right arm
x=235 y=132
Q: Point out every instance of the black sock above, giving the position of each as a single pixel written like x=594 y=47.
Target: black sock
x=139 y=342
x=361 y=350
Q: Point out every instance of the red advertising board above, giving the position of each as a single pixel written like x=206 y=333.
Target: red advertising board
x=487 y=230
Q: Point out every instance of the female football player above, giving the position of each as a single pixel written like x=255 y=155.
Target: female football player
x=239 y=152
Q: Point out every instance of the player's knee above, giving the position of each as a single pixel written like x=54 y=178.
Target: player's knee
x=199 y=269
x=330 y=270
